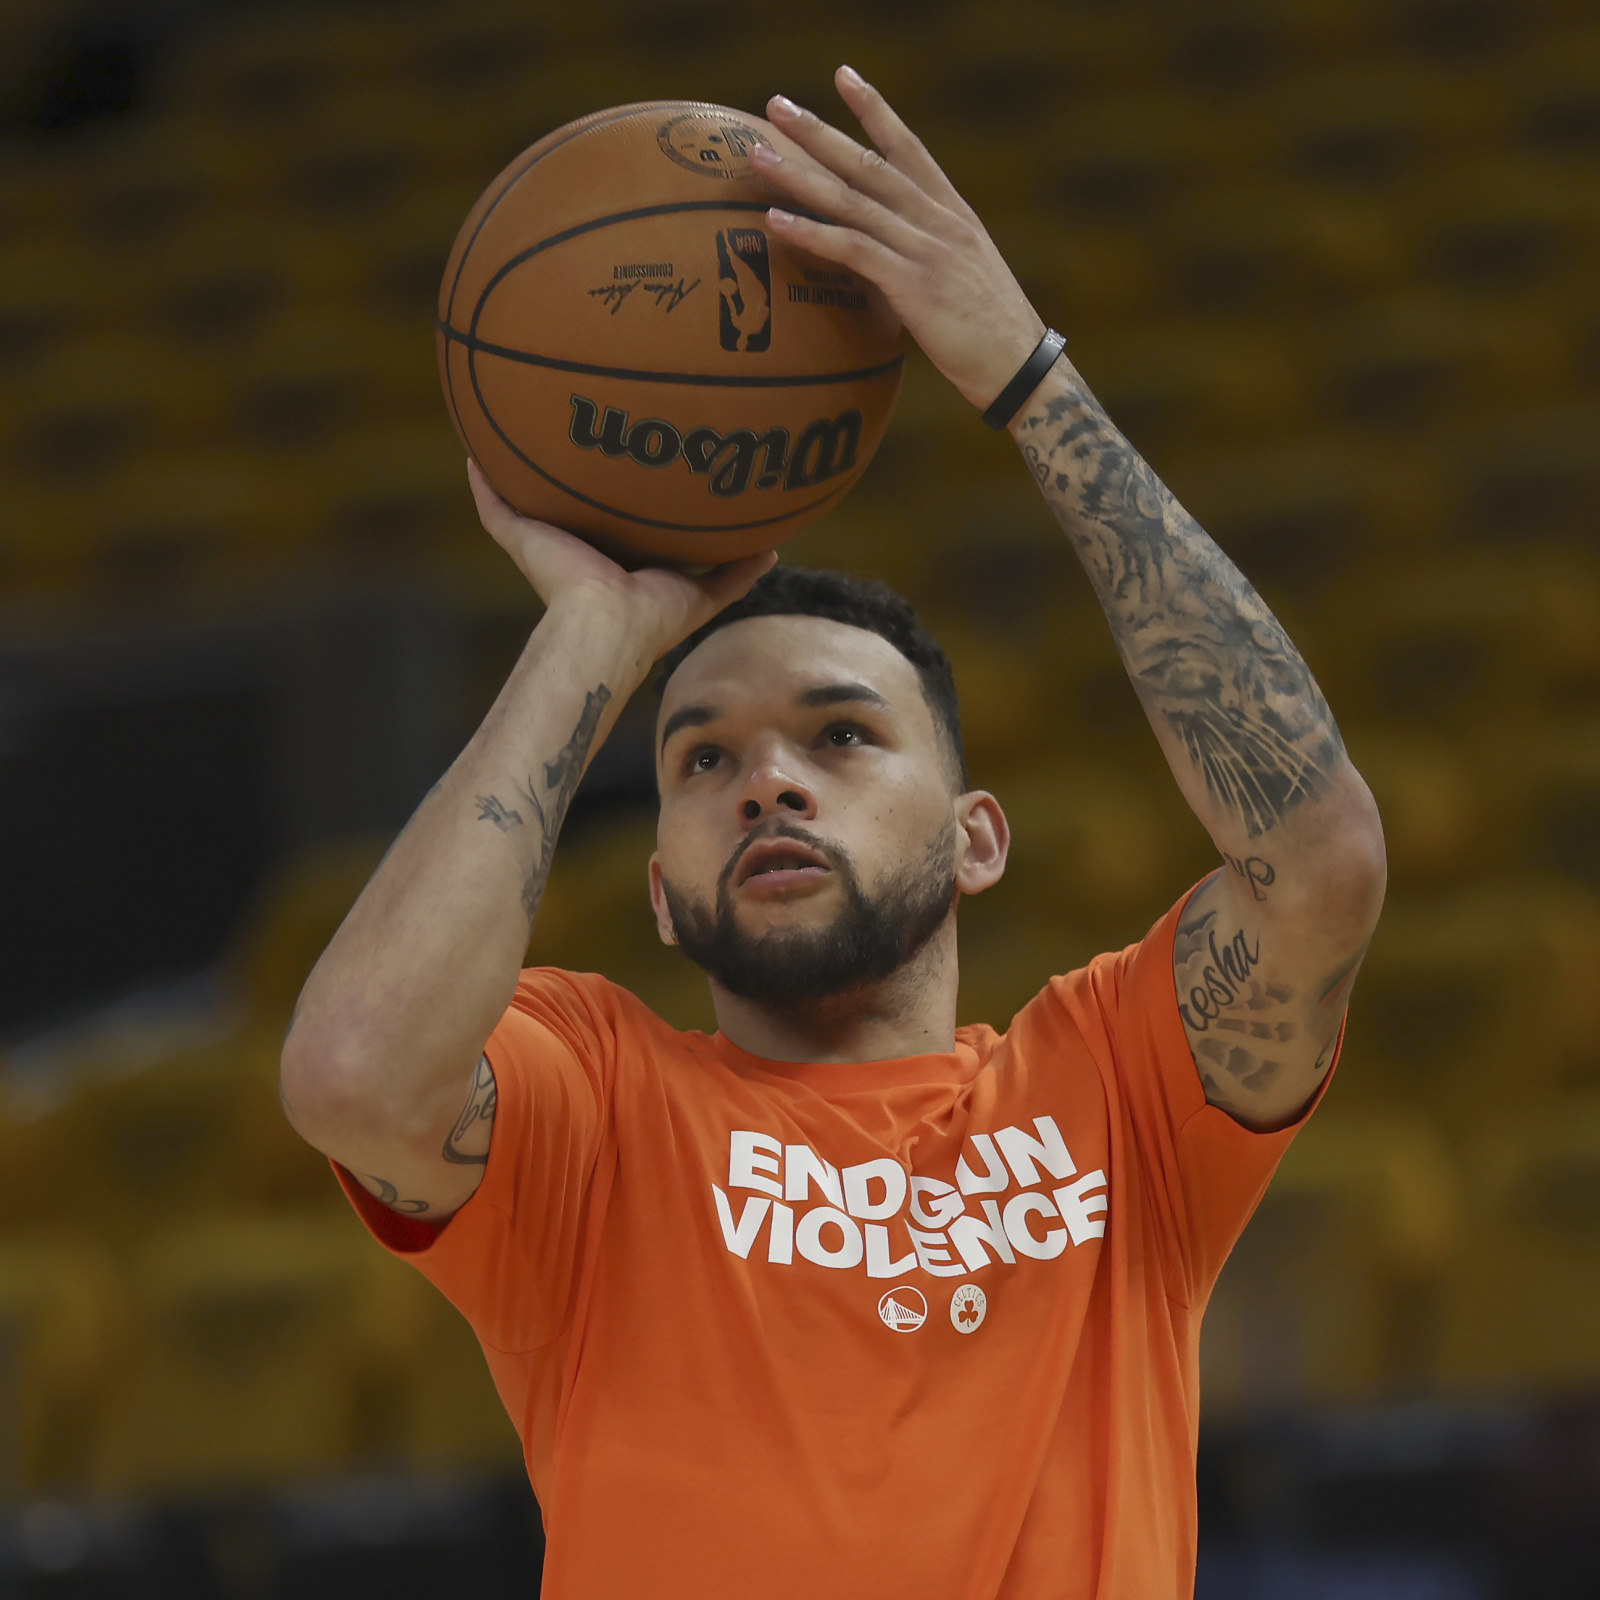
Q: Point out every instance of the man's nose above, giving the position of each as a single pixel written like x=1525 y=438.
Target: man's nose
x=774 y=791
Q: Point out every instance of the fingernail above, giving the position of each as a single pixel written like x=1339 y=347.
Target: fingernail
x=852 y=77
x=774 y=214
x=765 y=152
x=782 y=106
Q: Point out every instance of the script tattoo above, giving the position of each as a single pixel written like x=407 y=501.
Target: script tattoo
x=477 y=1114
x=1233 y=1017
x=561 y=774
x=1257 y=873
x=1223 y=978
x=1206 y=655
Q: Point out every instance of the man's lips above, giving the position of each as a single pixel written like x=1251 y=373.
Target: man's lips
x=775 y=864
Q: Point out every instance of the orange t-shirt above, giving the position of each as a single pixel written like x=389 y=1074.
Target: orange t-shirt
x=915 y=1327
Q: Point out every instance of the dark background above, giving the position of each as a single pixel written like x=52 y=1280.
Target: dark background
x=1331 y=263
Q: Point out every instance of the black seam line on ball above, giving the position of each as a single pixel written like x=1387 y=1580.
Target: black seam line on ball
x=701 y=380
x=617 y=511
x=675 y=208
x=622 y=114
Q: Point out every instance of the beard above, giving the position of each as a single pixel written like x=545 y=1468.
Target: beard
x=871 y=938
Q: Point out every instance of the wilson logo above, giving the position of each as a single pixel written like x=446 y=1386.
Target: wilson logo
x=729 y=462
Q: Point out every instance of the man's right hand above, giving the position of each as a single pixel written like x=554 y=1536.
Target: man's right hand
x=661 y=606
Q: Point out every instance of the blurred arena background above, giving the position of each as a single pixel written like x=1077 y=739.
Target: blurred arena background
x=1333 y=264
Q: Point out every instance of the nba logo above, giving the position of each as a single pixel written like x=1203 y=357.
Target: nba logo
x=744 y=282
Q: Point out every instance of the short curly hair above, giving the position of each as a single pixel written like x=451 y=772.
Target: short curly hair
x=859 y=603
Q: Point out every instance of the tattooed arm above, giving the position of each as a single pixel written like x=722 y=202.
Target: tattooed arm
x=1269 y=944
x=384 y=1067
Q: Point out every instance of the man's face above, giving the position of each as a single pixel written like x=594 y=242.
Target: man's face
x=809 y=835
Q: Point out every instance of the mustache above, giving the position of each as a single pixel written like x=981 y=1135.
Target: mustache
x=836 y=857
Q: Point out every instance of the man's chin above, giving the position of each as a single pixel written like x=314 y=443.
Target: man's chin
x=800 y=911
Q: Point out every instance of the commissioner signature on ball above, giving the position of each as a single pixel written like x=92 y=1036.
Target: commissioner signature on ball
x=667 y=295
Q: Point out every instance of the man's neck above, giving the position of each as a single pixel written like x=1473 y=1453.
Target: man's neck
x=911 y=1013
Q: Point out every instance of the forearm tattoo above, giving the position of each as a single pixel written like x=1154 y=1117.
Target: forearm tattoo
x=1206 y=655
x=547 y=800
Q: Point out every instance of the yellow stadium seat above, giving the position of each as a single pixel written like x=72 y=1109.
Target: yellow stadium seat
x=327 y=369
x=1506 y=224
x=224 y=276
x=404 y=253
x=104 y=395
x=1369 y=125
x=1530 y=476
x=293 y=919
x=50 y=287
x=1194 y=380
x=365 y=149
x=399 y=490
x=1300 y=515
x=1523 y=1307
x=1129 y=156
x=263 y=1347
x=273 y=70
x=1546 y=785
x=454 y=1421
x=1555 y=87
x=177 y=517
x=200 y=1129
x=133 y=194
x=1483 y=997
x=1437 y=819
x=61 y=1328
x=1491 y=634
x=1426 y=359
x=596 y=917
x=44 y=531
x=1087 y=839
x=1332 y=1293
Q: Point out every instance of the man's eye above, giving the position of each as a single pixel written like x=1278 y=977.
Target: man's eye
x=704 y=760
x=843 y=735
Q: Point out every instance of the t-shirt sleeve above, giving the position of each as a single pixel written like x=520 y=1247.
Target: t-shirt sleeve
x=510 y=1259
x=1202 y=1173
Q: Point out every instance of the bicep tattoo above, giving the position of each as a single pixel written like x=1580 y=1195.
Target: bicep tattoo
x=467 y=1143
x=1240 y=1026
x=382 y=1190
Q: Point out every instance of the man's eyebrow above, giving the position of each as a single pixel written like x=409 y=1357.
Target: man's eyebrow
x=834 y=694
x=687 y=717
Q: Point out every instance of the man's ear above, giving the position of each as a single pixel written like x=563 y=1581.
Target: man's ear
x=985 y=838
x=658 y=902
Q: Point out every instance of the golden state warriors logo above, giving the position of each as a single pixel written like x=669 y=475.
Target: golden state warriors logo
x=709 y=142
x=744 y=282
x=903 y=1309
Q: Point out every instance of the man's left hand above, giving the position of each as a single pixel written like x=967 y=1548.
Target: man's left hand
x=896 y=219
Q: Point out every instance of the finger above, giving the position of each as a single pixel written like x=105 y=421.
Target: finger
x=900 y=146
x=811 y=185
x=860 y=168
x=850 y=248
x=494 y=513
x=733 y=580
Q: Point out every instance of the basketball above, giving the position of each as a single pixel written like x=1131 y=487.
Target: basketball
x=629 y=354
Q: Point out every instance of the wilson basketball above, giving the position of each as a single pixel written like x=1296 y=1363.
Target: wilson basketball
x=628 y=353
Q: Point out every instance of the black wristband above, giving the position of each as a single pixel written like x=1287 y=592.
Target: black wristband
x=1010 y=399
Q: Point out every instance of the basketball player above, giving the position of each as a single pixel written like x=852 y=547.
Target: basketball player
x=845 y=1300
